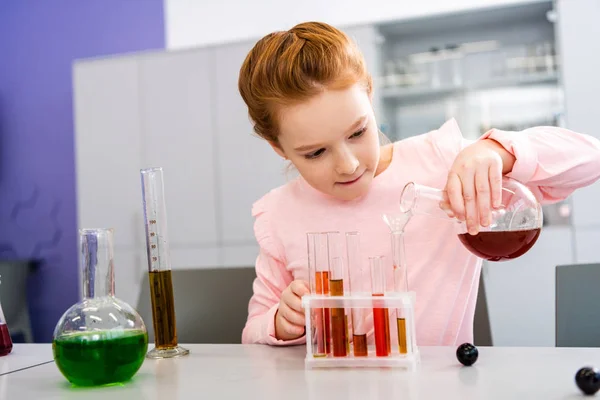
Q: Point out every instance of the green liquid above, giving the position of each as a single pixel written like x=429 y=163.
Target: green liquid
x=100 y=357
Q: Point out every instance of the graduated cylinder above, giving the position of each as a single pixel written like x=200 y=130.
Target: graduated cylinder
x=159 y=266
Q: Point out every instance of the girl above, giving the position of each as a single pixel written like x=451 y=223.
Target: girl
x=309 y=96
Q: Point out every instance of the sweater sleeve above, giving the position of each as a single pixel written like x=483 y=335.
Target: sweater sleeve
x=272 y=277
x=553 y=162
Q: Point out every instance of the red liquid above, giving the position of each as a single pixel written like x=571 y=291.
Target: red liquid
x=500 y=246
x=323 y=315
x=6 y=344
x=381 y=326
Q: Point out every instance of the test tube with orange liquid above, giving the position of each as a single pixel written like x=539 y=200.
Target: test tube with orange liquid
x=400 y=285
x=318 y=269
x=337 y=283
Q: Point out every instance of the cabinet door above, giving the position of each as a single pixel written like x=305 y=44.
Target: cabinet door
x=108 y=146
x=368 y=40
x=520 y=292
x=177 y=113
x=577 y=34
x=247 y=166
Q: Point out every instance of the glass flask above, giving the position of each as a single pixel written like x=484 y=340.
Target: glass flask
x=514 y=228
x=6 y=343
x=100 y=340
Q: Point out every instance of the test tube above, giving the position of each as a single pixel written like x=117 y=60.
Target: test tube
x=381 y=316
x=318 y=267
x=339 y=322
x=400 y=285
x=356 y=272
x=338 y=278
x=159 y=266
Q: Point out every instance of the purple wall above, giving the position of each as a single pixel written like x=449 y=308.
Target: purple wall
x=38 y=217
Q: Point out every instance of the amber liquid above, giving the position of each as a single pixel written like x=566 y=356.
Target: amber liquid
x=381 y=325
x=163 y=309
x=360 y=345
x=323 y=318
x=339 y=328
x=402 y=335
x=500 y=245
x=347 y=335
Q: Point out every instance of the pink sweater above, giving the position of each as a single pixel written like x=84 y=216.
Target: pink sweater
x=553 y=162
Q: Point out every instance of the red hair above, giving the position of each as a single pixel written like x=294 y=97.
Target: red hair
x=288 y=67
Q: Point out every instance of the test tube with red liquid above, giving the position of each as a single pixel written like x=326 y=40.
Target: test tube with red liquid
x=318 y=267
x=6 y=343
x=381 y=316
x=400 y=285
x=357 y=279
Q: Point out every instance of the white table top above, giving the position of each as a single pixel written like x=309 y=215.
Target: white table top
x=25 y=356
x=262 y=372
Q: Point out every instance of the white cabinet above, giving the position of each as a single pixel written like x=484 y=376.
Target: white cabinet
x=176 y=115
x=520 y=292
x=181 y=111
x=577 y=35
x=586 y=244
x=369 y=41
x=247 y=166
x=108 y=146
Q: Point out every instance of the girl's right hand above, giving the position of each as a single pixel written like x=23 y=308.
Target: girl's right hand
x=290 y=319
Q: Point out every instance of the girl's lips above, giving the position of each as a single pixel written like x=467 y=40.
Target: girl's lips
x=352 y=181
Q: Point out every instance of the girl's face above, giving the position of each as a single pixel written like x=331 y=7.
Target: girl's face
x=333 y=141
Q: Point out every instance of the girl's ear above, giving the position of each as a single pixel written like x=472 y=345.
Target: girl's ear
x=278 y=149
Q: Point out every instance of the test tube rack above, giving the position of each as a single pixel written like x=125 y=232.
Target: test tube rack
x=394 y=302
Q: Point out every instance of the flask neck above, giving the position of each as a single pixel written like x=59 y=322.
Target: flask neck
x=96 y=261
x=422 y=200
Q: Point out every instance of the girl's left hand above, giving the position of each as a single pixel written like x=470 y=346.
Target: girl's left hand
x=474 y=185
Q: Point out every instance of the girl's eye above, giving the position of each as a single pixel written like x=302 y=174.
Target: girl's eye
x=358 y=134
x=315 y=154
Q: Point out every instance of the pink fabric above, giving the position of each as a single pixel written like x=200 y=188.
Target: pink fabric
x=553 y=162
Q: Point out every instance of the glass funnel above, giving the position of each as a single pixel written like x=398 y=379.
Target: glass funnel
x=100 y=340
x=514 y=228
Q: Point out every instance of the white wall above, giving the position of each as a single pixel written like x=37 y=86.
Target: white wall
x=190 y=23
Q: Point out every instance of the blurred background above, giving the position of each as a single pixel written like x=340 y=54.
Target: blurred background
x=91 y=92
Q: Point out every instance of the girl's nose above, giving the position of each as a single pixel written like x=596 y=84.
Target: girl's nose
x=347 y=164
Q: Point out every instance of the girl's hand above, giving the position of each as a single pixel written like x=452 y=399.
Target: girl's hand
x=474 y=185
x=289 y=318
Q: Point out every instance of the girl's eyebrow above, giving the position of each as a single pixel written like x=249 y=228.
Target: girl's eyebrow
x=357 y=124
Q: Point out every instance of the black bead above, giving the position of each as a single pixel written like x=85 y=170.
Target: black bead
x=467 y=354
x=588 y=380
